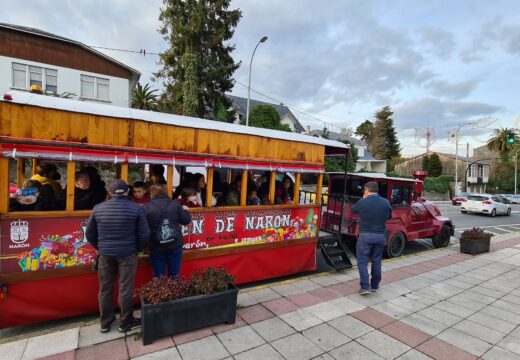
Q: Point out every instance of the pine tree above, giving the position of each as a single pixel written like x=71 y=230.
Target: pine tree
x=435 y=166
x=380 y=136
x=197 y=68
x=377 y=146
x=393 y=147
x=426 y=163
x=365 y=131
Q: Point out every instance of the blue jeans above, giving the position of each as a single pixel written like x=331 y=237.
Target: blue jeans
x=172 y=258
x=370 y=247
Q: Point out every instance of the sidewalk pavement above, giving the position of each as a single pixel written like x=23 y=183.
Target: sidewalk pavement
x=438 y=304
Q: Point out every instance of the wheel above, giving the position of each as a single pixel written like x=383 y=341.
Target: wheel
x=508 y=212
x=395 y=246
x=494 y=212
x=464 y=211
x=442 y=239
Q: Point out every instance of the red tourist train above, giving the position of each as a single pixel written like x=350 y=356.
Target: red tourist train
x=45 y=261
x=413 y=217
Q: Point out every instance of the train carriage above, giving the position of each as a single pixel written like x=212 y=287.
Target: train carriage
x=45 y=270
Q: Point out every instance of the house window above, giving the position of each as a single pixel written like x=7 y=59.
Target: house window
x=94 y=88
x=51 y=80
x=19 y=76
x=24 y=76
x=481 y=171
x=35 y=76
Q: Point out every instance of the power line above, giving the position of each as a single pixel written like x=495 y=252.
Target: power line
x=292 y=107
x=141 y=51
x=144 y=53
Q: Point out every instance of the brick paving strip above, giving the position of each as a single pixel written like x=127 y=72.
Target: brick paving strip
x=421 y=312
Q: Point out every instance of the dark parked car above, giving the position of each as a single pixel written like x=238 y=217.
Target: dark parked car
x=459 y=198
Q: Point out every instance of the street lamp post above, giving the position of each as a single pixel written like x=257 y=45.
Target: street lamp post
x=461 y=125
x=263 y=39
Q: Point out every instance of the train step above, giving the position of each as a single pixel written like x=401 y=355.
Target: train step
x=334 y=252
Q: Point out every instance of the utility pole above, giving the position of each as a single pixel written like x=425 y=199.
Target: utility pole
x=516 y=166
x=457 y=134
x=457 y=161
x=467 y=156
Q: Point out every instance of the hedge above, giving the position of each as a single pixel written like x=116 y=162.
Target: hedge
x=440 y=184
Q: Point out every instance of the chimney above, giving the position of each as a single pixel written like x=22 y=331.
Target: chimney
x=308 y=128
x=420 y=175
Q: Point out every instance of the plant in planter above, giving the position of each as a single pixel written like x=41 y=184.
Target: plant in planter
x=173 y=306
x=475 y=241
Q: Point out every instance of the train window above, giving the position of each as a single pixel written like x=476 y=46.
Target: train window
x=383 y=190
x=355 y=187
x=337 y=186
x=308 y=189
x=400 y=196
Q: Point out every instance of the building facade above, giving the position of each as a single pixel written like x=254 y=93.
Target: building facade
x=476 y=175
x=61 y=66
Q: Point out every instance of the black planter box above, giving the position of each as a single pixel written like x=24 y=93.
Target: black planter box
x=187 y=314
x=473 y=247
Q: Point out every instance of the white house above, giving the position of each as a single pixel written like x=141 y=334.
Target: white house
x=366 y=162
x=477 y=177
x=59 y=65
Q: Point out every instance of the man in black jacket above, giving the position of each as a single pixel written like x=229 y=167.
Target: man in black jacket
x=118 y=230
x=373 y=212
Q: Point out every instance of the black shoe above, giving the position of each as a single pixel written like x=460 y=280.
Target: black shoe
x=374 y=290
x=130 y=325
x=105 y=329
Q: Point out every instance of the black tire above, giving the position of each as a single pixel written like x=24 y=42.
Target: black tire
x=508 y=212
x=395 y=246
x=463 y=211
x=442 y=239
x=493 y=213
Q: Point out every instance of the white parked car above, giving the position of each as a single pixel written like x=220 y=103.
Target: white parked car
x=485 y=204
x=515 y=199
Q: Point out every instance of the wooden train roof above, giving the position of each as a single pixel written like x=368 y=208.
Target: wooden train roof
x=99 y=109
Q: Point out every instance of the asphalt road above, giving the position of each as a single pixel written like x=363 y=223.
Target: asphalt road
x=496 y=225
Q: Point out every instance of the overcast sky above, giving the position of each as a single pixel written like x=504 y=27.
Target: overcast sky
x=442 y=62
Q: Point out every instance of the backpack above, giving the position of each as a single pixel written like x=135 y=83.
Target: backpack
x=166 y=234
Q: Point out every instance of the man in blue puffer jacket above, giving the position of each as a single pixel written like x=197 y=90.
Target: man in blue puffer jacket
x=118 y=230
